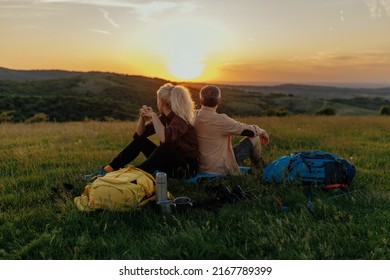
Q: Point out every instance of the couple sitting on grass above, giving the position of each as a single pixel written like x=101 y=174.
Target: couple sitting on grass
x=190 y=141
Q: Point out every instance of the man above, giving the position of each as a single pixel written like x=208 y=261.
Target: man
x=214 y=133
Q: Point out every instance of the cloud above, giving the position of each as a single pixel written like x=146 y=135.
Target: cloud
x=186 y=7
x=374 y=56
x=378 y=8
x=107 y=17
x=144 y=11
x=105 y=3
x=332 y=59
x=147 y=11
x=24 y=9
x=104 y=32
x=362 y=66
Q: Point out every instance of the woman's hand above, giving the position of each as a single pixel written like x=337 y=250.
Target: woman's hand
x=143 y=111
x=146 y=111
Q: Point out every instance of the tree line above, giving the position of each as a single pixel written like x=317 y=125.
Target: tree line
x=109 y=96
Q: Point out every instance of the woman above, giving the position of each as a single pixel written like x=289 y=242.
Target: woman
x=177 y=155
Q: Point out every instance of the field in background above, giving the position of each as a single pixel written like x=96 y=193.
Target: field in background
x=39 y=223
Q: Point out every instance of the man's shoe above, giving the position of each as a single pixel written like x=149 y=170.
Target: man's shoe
x=99 y=173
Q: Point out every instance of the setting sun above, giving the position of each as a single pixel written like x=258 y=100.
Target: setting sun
x=185 y=47
x=186 y=68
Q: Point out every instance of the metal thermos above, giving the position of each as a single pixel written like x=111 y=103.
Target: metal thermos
x=161 y=186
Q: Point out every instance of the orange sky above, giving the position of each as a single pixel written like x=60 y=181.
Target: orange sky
x=252 y=41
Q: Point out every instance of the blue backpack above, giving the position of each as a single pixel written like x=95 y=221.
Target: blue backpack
x=311 y=168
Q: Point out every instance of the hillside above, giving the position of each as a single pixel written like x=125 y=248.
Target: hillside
x=30 y=75
x=325 y=92
x=76 y=96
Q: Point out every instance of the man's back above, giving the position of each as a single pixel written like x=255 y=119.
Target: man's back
x=214 y=132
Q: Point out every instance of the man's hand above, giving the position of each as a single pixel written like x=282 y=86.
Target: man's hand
x=264 y=138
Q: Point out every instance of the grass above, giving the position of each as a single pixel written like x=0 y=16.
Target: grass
x=37 y=223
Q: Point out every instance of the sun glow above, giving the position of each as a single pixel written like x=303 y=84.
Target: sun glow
x=186 y=68
x=186 y=63
x=185 y=48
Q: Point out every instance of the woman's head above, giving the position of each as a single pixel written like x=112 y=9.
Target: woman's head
x=178 y=99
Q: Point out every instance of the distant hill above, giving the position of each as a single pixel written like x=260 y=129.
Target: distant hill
x=325 y=92
x=31 y=75
x=75 y=96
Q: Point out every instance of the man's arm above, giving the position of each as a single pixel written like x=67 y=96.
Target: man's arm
x=256 y=131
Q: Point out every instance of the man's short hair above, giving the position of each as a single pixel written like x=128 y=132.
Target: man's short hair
x=210 y=96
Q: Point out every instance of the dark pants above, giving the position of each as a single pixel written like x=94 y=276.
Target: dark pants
x=243 y=150
x=163 y=158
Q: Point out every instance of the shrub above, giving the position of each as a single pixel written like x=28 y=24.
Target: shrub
x=39 y=117
x=385 y=110
x=7 y=116
x=326 y=111
x=277 y=112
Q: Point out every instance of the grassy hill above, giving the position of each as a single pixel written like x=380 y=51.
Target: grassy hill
x=39 y=220
x=97 y=96
x=75 y=96
x=30 y=75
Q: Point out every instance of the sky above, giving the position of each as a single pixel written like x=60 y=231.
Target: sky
x=229 y=41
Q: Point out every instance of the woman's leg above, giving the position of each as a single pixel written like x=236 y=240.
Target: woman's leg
x=167 y=159
x=128 y=154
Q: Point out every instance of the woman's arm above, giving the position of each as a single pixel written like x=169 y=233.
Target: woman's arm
x=158 y=126
x=141 y=121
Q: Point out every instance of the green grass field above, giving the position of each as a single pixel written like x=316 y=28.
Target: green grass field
x=37 y=223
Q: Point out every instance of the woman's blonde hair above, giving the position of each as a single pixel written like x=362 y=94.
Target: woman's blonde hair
x=179 y=99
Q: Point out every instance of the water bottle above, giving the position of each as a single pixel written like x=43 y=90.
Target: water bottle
x=161 y=186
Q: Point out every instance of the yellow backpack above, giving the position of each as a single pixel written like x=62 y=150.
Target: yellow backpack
x=121 y=190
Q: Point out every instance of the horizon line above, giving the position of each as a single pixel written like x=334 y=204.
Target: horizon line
x=347 y=84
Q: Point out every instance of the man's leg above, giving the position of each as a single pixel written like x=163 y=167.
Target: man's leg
x=248 y=147
x=243 y=150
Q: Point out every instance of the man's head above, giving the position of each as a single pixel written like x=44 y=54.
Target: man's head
x=210 y=96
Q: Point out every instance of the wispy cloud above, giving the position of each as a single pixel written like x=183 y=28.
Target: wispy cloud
x=320 y=59
x=363 y=57
x=143 y=11
x=24 y=8
x=106 y=3
x=107 y=17
x=146 y=12
x=104 y=32
x=362 y=66
x=342 y=18
x=378 y=8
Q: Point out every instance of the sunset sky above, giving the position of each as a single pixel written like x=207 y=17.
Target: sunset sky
x=245 y=41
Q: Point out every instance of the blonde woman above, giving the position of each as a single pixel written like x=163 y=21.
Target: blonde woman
x=177 y=155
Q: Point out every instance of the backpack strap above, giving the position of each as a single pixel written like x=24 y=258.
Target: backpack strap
x=334 y=186
x=132 y=167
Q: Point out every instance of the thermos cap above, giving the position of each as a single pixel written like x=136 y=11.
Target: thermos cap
x=161 y=176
